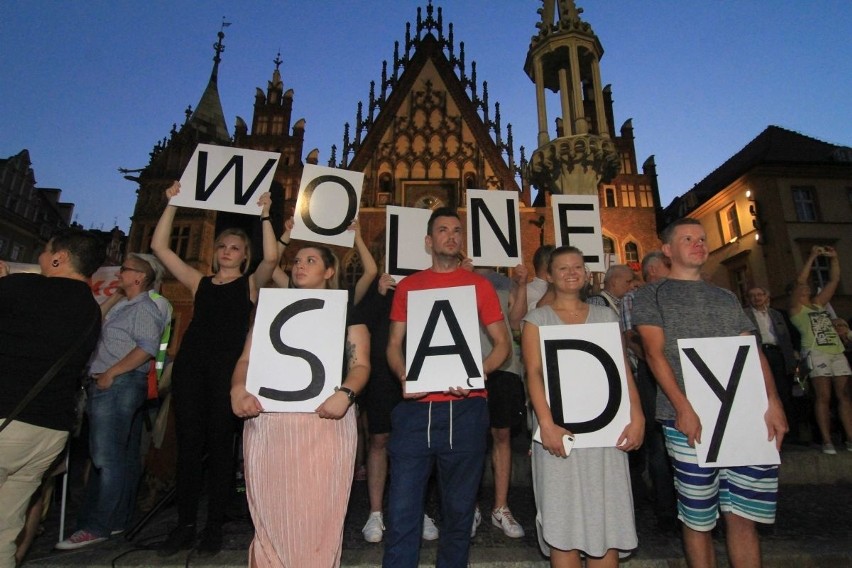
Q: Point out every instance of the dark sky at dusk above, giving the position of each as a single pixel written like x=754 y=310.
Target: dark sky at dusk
x=88 y=87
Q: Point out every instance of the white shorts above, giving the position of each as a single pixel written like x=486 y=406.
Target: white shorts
x=826 y=365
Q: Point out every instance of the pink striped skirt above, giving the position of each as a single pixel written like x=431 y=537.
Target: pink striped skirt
x=299 y=471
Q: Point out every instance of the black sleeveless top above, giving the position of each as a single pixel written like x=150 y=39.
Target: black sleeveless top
x=220 y=317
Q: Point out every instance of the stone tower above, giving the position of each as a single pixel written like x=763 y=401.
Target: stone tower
x=564 y=57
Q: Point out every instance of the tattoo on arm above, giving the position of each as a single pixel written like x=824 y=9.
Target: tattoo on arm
x=351 y=354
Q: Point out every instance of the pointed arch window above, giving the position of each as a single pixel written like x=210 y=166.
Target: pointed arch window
x=631 y=252
x=608 y=245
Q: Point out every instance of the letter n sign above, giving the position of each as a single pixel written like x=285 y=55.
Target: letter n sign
x=494 y=228
x=328 y=202
x=585 y=381
x=724 y=383
x=577 y=222
x=296 y=356
x=226 y=179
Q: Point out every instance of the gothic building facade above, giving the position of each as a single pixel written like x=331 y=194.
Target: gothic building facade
x=426 y=135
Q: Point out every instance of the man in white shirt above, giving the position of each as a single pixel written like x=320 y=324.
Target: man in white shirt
x=774 y=339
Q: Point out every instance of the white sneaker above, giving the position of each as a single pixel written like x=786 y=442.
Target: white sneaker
x=477 y=520
x=79 y=539
x=374 y=530
x=828 y=448
x=430 y=531
x=502 y=518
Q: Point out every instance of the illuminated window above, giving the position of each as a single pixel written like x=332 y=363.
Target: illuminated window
x=608 y=246
x=628 y=196
x=730 y=222
x=646 y=198
x=609 y=196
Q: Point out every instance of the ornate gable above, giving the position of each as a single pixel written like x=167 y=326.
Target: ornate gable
x=429 y=142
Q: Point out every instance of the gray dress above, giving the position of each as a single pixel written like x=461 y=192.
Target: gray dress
x=583 y=502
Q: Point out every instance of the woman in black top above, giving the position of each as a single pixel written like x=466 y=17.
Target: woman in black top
x=202 y=370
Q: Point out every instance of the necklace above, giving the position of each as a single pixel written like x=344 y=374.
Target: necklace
x=224 y=280
x=575 y=312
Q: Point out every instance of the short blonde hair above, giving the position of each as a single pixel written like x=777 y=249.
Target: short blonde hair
x=246 y=240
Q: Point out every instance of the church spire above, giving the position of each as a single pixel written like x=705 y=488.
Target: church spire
x=208 y=118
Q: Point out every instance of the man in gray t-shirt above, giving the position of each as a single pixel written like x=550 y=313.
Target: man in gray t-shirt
x=685 y=306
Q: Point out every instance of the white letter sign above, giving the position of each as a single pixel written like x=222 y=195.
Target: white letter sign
x=328 y=202
x=585 y=381
x=442 y=340
x=405 y=241
x=226 y=179
x=724 y=384
x=296 y=356
x=577 y=222
x=493 y=228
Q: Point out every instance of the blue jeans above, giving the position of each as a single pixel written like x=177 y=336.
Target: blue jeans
x=115 y=431
x=422 y=434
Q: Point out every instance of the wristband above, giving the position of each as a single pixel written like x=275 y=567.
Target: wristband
x=262 y=219
x=287 y=244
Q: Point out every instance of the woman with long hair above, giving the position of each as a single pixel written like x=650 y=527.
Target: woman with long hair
x=202 y=370
x=584 y=501
x=299 y=466
x=130 y=338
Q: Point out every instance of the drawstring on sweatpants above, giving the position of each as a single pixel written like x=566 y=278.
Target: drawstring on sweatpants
x=429 y=426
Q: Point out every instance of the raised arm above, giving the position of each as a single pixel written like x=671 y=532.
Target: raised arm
x=518 y=298
x=269 y=262
x=371 y=270
x=184 y=273
x=827 y=292
x=278 y=275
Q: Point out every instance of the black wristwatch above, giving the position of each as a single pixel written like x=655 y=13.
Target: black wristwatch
x=350 y=394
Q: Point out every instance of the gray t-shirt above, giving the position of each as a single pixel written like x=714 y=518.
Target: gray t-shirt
x=687 y=309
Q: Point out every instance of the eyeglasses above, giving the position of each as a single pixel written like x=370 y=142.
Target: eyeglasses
x=124 y=269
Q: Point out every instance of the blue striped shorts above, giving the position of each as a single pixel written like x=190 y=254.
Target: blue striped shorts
x=750 y=492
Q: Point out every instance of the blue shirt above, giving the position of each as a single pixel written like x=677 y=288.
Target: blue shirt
x=129 y=324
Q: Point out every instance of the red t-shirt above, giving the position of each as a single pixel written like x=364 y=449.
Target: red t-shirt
x=487 y=305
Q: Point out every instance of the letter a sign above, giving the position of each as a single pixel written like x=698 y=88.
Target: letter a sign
x=724 y=383
x=442 y=340
x=226 y=179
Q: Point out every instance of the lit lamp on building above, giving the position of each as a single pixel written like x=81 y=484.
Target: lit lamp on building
x=754 y=209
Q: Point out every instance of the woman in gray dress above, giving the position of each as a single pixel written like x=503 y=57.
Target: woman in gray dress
x=583 y=500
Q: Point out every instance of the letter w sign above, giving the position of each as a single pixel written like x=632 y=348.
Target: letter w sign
x=226 y=179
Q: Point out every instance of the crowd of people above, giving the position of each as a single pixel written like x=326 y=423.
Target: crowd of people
x=299 y=467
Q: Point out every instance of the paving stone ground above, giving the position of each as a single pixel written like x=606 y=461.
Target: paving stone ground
x=814 y=528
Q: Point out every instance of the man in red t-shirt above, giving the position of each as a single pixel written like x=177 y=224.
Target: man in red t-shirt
x=449 y=427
